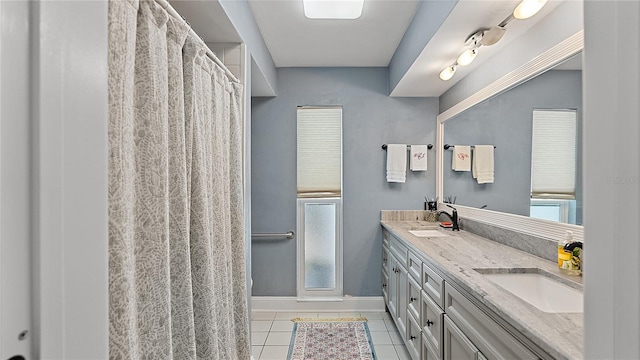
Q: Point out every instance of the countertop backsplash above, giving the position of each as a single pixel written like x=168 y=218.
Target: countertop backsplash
x=541 y=247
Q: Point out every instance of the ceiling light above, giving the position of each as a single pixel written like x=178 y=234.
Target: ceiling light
x=448 y=72
x=333 y=9
x=528 y=8
x=467 y=57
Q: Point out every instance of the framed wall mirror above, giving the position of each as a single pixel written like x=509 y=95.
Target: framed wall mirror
x=502 y=114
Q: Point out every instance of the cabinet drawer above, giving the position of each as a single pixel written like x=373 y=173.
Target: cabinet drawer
x=413 y=303
x=490 y=338
x=414 y=338
x=399 y=250
x=431 y=323
x=433 y=285
x=427 y=351
x=414 y=266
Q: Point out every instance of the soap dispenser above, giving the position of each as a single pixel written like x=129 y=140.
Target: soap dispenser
x=570 y=255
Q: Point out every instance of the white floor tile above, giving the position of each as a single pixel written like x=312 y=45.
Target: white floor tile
x=263 y=316
x=274 y=353
x=282 y=325
x=385 y=315
x=312 y=315
x=376 y=325
x=328 y=315
x=255 y=352
x=261 y=325
x=395 y=338
x=386 y=352
x=258 y=338
x=380 y=338
x=391 y=326
x=403 y=354
x=279 y=338
x=285 y=315
x=372 y=315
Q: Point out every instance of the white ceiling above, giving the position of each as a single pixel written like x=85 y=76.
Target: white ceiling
x=295 y=41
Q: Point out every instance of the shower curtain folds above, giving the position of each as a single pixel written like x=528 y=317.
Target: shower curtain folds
x=176 y=234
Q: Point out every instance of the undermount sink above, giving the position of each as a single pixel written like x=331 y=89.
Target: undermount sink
x=426 y=233
x=538 y=288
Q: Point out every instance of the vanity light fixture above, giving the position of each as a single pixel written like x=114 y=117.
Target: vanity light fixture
x=528 y=8
x=488 y=37
x=467 y=57
x=448 y=72
x=333 y=9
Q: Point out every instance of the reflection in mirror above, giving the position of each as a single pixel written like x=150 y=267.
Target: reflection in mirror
x=507 y=122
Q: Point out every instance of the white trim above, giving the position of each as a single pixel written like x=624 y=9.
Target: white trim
x=292 y=304
x=523 y=224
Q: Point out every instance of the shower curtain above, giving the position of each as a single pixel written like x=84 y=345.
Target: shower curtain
x=176 y=233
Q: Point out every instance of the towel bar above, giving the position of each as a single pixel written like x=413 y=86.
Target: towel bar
x=288 y=235
x=447 y=146
x=430 y=146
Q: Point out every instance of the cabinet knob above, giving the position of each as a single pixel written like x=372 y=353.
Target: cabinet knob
x=412 y=337
x=384 y=285
x=412 y=299
x=429 y=322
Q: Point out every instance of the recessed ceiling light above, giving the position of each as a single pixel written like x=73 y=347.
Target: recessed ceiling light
x=333 y=9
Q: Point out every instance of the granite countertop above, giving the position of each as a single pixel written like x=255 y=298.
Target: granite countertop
x=459 y=253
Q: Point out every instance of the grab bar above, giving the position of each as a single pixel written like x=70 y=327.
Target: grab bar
x=288 y=235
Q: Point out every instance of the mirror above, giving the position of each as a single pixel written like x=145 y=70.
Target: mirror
x=506 y=121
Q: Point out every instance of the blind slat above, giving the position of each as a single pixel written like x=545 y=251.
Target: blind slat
x=319 y=151
x=553 y=158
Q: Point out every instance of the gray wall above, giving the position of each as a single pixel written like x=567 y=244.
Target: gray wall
x=506 y=122
x=239 y=12
x=370 y=119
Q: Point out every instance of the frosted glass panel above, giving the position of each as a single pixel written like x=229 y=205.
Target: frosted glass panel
x=320 y=246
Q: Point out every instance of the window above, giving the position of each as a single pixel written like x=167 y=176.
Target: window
x=553 y=165
x=319 y=204
x=553 y=155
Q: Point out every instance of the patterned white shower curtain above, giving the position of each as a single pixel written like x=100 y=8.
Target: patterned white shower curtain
x=176 y=232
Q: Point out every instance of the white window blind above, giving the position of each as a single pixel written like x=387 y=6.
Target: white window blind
x=319 y=160
x=553 y=156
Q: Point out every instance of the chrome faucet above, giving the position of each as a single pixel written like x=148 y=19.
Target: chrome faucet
x=453 y=217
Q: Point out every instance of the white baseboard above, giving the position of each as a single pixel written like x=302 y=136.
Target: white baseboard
x=293 y=304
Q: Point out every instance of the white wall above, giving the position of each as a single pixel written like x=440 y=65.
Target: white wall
x=15 y=255
x=70 y=182
x=611 y=179
x=53 y=179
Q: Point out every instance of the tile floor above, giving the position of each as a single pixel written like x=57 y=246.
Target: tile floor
x=271 y=334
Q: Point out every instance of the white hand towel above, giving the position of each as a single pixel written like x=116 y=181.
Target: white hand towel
x=396 y=163
x=483 y=170
x=418 y=157
x=461 y=159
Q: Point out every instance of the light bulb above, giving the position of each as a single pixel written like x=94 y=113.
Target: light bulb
x=467 y=57
x=528 y=8
x=448 y=72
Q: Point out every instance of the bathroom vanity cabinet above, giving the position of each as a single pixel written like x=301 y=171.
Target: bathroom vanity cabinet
x=437 y=318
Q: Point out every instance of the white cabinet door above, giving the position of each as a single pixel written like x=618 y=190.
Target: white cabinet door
x=393 y=286
x=456 y=345
x=403 y=291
